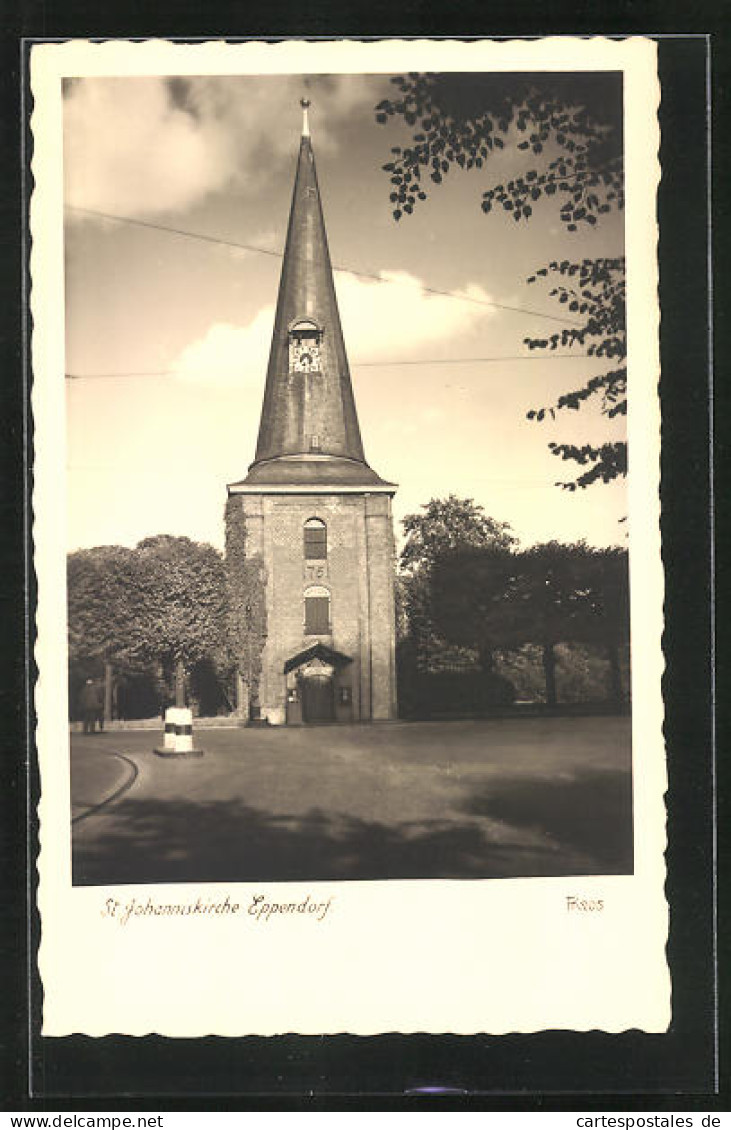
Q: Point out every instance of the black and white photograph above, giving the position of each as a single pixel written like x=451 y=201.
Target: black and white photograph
x=348 y=526
x=410 y=663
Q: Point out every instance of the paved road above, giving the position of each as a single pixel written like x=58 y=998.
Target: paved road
x=99 y=773
x=527 y=796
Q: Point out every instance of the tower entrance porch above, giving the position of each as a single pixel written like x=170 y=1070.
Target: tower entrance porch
x=318 y=697
x=318 y=686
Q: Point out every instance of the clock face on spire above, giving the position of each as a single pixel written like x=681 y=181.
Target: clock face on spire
x=304 y=348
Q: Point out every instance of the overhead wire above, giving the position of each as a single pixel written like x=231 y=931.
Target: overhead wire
x=460 y=297
x=353 y=364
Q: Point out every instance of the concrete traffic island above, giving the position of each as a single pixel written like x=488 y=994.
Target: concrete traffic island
x=178 y=734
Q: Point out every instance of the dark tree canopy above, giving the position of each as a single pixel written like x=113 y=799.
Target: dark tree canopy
x=569 y=126
x=475 y=598
x=494 y=599
x=556 y=581
x=444 y=526
x=540 y=595
x=606 y=614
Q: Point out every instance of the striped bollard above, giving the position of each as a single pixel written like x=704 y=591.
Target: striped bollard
x=171 y=717
x=178 y=736
x=184 y=733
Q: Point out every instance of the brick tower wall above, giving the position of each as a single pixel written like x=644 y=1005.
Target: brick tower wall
x=358 y=573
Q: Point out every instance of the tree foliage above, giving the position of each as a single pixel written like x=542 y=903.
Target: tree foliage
x=607 y=623
x=468 y=589
x=444 y=526
x=494 y=599
x=163 y=601
x=594 y=289
x=246 y=592
x=448 y=524
x=106 y=604
x=608 y=616
x=573 y=124
x=185 y=600
x=572 y=120
x=576 y=594
x=475 y=597
x=556 y=592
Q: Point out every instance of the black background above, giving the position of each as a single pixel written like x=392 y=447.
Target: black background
x=550 y=1070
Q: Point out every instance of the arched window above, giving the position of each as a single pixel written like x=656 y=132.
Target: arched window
x=304 y=326
x=315 y=540
x=317 y=611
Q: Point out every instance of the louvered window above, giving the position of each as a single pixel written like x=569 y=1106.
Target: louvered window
x=317 y=611
x=315 y=540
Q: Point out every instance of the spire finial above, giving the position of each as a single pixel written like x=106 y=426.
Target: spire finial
x=305 y=103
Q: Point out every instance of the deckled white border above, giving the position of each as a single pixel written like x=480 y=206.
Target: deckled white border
x=430 y=956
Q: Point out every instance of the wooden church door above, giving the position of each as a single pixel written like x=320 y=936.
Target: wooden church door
x=318 y=702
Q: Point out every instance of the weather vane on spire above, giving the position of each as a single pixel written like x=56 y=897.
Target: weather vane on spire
x=305 y=103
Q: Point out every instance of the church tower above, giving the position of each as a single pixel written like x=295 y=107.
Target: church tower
x=311 y=518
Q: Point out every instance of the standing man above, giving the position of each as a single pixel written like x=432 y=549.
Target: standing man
x=92 y=706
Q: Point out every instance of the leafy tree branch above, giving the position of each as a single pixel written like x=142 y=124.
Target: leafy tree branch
x=569 y=126
x=571 y=120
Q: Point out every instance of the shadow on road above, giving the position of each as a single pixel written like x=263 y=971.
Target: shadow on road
x=566 y=827
x=590 y=813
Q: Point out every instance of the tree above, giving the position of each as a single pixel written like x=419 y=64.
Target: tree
x=106 y=609
x=103 y=612
x=163 y=602
x=598 y=295
x=446 y=525
x=573 y=123
x=555 y=583
x=462 y=118
x=185 y=604
x=493 y=599
x=473 y=595
x=576 y=594
x=606 y=619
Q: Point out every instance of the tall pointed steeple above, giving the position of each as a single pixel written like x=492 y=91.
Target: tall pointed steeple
x=309 y=433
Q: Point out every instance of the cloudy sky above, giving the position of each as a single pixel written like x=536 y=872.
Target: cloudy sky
x=168 y=335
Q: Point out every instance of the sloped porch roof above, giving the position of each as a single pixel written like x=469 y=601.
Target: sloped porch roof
x=317 y=651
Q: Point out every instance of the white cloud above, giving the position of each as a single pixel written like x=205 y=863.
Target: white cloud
x=396 y=319
x=229 y=356
x=143 y=146
x=390 y=320
x=128 y=149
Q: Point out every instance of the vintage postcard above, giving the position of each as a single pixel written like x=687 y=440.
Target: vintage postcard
x=346 y=527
